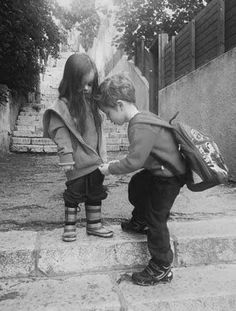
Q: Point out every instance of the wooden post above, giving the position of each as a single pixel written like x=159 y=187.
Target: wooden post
x=162 y=40
x=192 y=43
x=221 y=28
x=153 y=78
x=139 y=54
x=136 y=53
x=173 y=59
x=142 y=57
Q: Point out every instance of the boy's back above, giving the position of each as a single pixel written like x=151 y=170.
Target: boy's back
x=151 y=144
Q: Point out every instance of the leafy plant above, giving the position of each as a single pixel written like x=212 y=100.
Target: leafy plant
x=138 y=19
x=81 y=16
x=27 y=31
x=87 y=21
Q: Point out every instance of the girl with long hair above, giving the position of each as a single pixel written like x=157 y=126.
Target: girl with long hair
x=74 y=123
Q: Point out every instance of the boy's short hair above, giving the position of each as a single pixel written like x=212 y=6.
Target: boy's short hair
x=114 y=88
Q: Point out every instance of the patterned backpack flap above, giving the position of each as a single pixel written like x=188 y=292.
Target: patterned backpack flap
x=206 y=165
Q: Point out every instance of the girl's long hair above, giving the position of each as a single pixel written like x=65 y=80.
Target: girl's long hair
x=71 y=88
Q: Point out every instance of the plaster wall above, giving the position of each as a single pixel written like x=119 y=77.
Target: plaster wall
x=9 y=109
x=206 y=99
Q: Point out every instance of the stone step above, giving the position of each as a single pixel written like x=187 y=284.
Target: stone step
x=34 y=148
x=25 y=118
x=29 y=121
x=27 y=134
x=116 y=135
x=207 y=288
x=22 y=128
x=195 y=243
x=117 y=147
x=31 y=140
x=28 y=137
x=26 y=145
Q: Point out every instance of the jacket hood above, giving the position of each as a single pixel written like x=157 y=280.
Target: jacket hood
x=62 y=110
x=146 y=117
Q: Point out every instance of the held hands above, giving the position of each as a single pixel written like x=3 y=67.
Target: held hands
x=66 y=168
x=104 y=168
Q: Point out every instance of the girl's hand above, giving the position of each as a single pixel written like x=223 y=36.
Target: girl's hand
x=104 y=169
x=66 y=168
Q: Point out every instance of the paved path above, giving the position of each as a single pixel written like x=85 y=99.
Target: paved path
x=31 y=188
x=209 y=288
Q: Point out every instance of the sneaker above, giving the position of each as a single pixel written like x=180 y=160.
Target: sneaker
x=153 y=274
x=134 y=226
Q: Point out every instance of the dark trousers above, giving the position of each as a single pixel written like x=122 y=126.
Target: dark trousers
x=87 y=189
x=152 y=198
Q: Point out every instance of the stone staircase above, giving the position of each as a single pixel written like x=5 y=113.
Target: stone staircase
x=28 y=133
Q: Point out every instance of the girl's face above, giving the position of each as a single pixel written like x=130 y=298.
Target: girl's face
x=87 y=83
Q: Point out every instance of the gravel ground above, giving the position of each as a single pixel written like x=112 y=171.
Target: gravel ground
x=31 y=187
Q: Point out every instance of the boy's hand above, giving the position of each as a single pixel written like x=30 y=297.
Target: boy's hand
x=113 y=161
x=66 y=168
x=104 y=169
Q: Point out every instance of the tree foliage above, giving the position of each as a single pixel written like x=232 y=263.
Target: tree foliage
x=27 y=31
x=83 y=16
x=145 y=19
x=87 y=21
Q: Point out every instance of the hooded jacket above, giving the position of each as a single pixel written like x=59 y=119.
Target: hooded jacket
x=72 y=149
x=151 y=145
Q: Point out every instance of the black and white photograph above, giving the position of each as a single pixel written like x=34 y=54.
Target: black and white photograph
x=117 y=155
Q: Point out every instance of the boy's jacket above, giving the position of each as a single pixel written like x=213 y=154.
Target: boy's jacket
x=72 y=149
x=149 y=141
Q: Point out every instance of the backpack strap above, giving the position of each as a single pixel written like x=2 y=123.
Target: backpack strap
x=168 y=165
x=182 y=179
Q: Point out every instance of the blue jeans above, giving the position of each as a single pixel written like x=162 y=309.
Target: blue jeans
x=152 y=198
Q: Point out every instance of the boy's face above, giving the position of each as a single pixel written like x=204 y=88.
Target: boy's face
x=116 y=115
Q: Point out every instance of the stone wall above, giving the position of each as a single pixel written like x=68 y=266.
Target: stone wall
x=9 y=109
x=206 y=99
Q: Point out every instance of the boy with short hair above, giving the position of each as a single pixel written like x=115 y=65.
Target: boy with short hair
x=153 y=190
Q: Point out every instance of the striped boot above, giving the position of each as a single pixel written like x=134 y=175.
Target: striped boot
x=69 y=234
x=94 y=224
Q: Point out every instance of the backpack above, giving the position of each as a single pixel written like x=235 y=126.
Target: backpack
x=206 y=166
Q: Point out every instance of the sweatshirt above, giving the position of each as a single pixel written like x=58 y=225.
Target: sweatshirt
x=72 y=147
x=151 y=145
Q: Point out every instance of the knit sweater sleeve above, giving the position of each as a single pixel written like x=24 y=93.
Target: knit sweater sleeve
x=142 y=139
x=59 y=133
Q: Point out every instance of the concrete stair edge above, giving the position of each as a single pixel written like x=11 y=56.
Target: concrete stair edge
x=194 y=243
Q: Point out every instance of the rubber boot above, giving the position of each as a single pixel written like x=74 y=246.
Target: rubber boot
x=69 y=234
x=94 y=224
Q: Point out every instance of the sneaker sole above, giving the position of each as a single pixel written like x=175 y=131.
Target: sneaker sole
x=167 y=279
